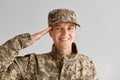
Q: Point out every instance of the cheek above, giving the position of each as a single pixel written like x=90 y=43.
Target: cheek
x=73 y=36
x=53 y=35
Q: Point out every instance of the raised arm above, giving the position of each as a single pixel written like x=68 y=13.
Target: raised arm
x=10 y=49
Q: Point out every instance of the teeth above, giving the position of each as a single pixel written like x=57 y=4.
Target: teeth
x=64 y=39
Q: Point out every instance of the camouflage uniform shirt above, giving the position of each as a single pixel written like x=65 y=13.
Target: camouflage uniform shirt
x=47 y=66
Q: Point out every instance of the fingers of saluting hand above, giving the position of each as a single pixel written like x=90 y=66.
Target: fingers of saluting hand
x=45 y=31
x=38 y=35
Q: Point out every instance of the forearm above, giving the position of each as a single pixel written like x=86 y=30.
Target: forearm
x=11 y=48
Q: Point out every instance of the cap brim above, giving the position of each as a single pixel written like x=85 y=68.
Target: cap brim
x=64 y=21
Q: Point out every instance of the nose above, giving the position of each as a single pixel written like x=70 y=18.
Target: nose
x=65 y=32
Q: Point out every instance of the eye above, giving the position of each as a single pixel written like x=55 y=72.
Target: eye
x=71 y=28
x=58 y=28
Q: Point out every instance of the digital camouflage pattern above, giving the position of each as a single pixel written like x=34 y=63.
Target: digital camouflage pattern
x=58 y=15
x=47 y=66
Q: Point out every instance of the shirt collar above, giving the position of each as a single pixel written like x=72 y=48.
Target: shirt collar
x=58 y=56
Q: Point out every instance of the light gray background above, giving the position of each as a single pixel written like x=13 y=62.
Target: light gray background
x=97 y=38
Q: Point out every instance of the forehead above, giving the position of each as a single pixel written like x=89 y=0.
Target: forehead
x=64 y=23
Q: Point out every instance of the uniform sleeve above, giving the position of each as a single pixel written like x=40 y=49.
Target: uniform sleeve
x=10 y=49
x=95 y=77
x=22 y=68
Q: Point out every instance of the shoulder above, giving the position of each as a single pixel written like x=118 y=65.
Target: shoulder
x=32 y=58
x=82 y=56
x=44 y=57
x=84 y=59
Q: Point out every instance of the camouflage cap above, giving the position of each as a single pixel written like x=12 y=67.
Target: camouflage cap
x=58 y=15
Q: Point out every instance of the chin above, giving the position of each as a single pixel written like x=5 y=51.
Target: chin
x=65 y=46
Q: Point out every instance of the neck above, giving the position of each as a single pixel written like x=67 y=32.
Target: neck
x=65 y=51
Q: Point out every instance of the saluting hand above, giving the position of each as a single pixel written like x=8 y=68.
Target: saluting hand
x=38 y=35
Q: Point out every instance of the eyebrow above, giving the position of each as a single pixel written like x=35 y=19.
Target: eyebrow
x=56 y=25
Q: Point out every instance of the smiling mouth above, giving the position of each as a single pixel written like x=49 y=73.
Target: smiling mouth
x=64 y=39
